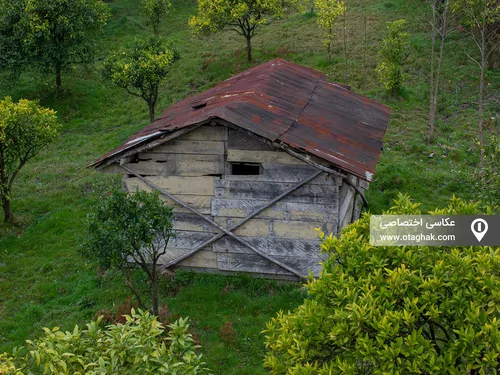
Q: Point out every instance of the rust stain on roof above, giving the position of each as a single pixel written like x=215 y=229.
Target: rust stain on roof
x=288 y=103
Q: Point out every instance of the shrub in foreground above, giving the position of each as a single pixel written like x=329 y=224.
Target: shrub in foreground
x=394 y=310
x=136 y=347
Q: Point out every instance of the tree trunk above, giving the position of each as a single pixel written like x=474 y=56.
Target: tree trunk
x=480 y=100
x=154 y=291
x=249 y=48
x=365 y=52
x=151 y=111
x=58 y=78
x=432 y=109
x=439 y=63
x=7 y=209
x=345 y=50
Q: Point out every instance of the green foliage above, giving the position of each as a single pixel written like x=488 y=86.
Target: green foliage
x=393 y=52
x=328 y=12
x=155 y=11
x=394 y=310
x=124 y=228
x=141 y=69
x=25 y=129
x=241 y=16
x=135 y=347
x=55 y=33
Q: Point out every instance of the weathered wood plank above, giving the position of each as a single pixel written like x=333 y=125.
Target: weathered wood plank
x=202 y=203
x=312 y=194
x=277 y=228
x=241 y=140
x=191 y=222
x=346 y=206
x=203 y=258
x=206 y=133
x=189 y=240
x=280 y=210
x=248 y=263
x=255 y=263
x=300 y=230
x=254 y=156
x=175 y=185
x=252 y=228
x=179 y=146
x=287 y=173
x=184 y=165
x=271 y=246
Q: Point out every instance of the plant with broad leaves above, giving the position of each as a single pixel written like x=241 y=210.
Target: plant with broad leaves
x=394 y=309
x=25 y=129
x=392 y=54
x=136 y=347
x=51 y=35
x=328 y=13
x=241 y=16
x=141 y=69
x=125 y=228
x=155 y=11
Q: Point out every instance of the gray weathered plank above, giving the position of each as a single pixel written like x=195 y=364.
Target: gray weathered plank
x=255 y=263
x=277 y=228
x=346 y=206
x=206 y=133
x=272 y=246
x=312 y=194
x=190 y=222
x=257 y=156
x=241 y=140
x=189 y=240
x=185 y=165
x=179 y=146
x=287 y=173
x=280 y=210
x=175 y=185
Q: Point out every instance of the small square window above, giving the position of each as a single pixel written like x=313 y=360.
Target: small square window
x=245 y=169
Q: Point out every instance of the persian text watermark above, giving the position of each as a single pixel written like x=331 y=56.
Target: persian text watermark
x=435 y=230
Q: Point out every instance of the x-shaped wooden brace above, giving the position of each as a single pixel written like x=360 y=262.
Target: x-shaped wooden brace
x=229 y=231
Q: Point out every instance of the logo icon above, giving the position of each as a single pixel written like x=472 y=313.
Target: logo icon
x=479 y=227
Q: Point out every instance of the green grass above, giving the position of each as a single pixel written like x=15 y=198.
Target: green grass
x=43 y=282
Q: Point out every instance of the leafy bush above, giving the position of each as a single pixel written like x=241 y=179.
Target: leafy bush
x=136 y=347
x=392 y=55
x=394 y=310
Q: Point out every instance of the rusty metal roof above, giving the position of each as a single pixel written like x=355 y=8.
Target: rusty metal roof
x=283 y=102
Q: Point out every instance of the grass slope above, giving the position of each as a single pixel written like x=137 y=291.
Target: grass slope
x=44 y=283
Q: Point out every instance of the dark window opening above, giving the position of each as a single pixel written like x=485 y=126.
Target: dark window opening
x=245 y=169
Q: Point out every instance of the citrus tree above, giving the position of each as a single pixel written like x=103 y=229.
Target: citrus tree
x=53 y=34
x=141 y=69
x=136 y=347
x=394 y=310
x=392 y=54
x=154 y=11
x=328 y=13
x=25 y=129
x=240 y=16
x=125 y=228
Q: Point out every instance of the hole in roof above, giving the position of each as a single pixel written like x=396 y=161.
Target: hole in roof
x=200 y=105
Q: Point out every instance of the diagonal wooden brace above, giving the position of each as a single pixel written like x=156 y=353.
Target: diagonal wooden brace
x=232 y=228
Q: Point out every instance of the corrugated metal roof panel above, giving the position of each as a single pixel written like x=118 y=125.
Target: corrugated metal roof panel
x=286 y=102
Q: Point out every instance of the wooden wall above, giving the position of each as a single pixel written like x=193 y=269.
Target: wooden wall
x=196 y=168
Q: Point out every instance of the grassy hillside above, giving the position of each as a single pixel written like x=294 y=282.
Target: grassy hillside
x=44 y=283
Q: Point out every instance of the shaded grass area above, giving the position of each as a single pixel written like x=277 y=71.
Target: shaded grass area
x=43 y=282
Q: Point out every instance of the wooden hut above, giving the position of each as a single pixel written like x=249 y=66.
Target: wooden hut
x=254 y=165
